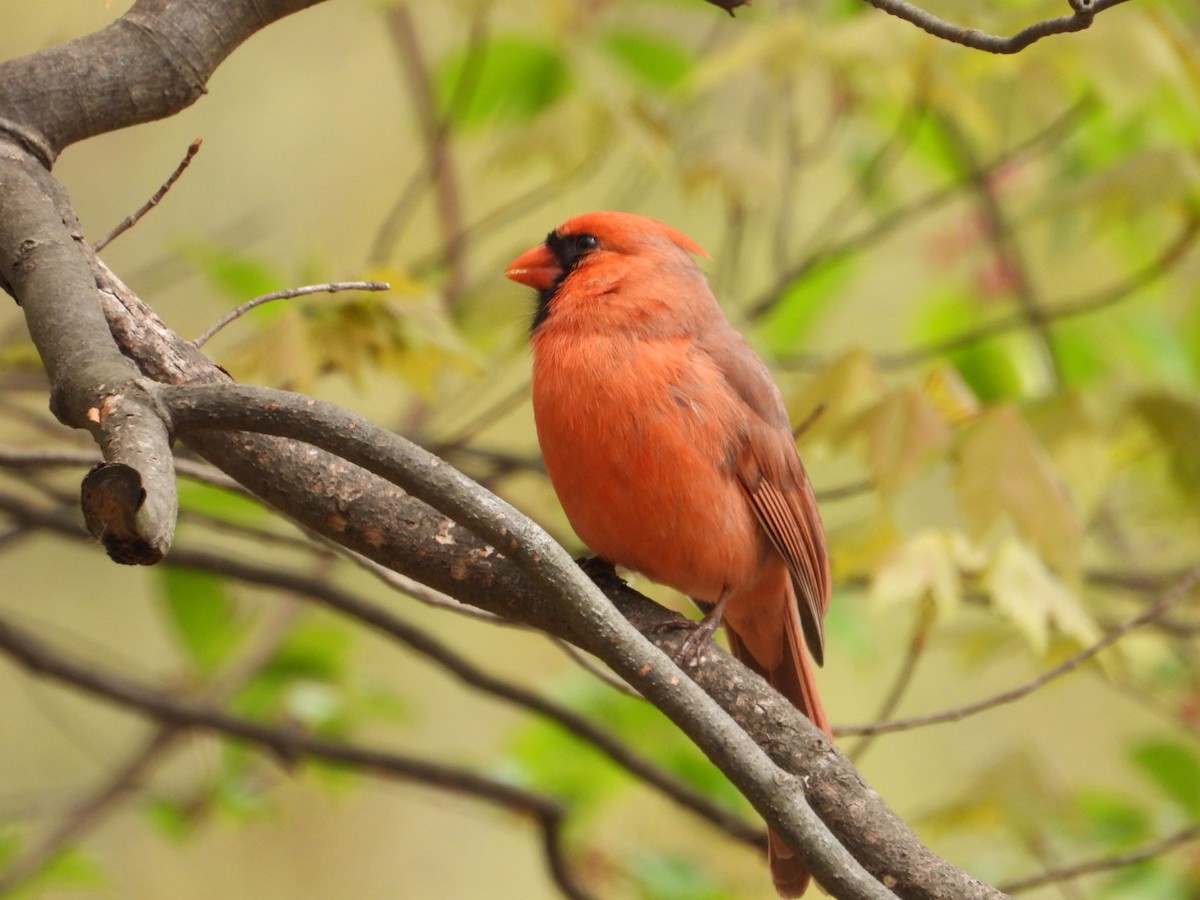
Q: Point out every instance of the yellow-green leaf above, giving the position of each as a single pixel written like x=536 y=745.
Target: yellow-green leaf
x=1004 y=474
x=903 y=430
x=1028 y=594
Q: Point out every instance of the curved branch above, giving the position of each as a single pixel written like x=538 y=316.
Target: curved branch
x=374 y=518
x=464 y=670
x=601 y=629
x=1080 y=18
x=129 y=501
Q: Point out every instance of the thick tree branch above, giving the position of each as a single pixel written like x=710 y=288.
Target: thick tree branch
x=372 y=517
x=599 y=628
x=129 y=500
x=150 y=63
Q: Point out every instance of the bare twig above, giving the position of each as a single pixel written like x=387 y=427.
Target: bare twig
x=1167 y=600
x=388 y=234
x=1007 y=249
x=437 y=146
x=286 y=294
x=132 y=220
x=831 y=252
x=1095 y=301
x=1083 y=12
x=916 y=646
x=289 y=745
x=464 y=670
x=844 y=491
x=86 y=814
x=1106 y=863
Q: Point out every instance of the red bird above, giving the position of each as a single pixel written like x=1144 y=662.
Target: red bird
x=669 y=447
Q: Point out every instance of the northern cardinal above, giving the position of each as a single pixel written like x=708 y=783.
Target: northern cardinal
x=669 y=448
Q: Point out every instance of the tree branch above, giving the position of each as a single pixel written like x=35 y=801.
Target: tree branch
x=1169 y=598
x=599 y=628
x=1107 y=863
x=289 y=745
x=1080 y=18
x=129 y=501
x=374 y=518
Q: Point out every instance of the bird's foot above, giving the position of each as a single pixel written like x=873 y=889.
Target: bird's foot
x=691 y=651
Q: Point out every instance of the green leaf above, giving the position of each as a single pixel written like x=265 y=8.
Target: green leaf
x=236 y=275
x=74 y=868
x=222 y=504
x=802 y=302
x=545 y=756
x=663 y=877
x=1176 y=423
x=928 y=565
x=316 y=652
x=201 y=614
x=1113 y=819
x=1027 y=593
x=652 y=59
x=516 y=79
x=170 y=818
x=903 y=431
x=1175 y=768
x=1081 y=357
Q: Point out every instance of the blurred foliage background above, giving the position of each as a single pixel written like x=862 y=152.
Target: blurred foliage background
x=978 y=269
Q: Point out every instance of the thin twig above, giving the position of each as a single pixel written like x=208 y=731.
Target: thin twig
x=87 y=814
x=438 y=600
x=1106 y=863
x=1083 y=12
x=467 y=672
x=289 y=745
x=1168 y=599
x=1058 y=129
x=1092 y=302
x=285 y=294
x=1006 y=248
x=25 y=458
x=844 y=491
x=382 y=620
x=904 y=676
x=132 y=220
x=436 y=133
x=594 y=669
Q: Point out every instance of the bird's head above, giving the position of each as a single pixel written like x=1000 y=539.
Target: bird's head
x=597 y=251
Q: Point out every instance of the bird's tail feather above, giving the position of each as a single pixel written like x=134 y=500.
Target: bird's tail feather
x=794 y=679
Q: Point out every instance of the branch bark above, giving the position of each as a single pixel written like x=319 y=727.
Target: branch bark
x=373 y=517
x=414 y=514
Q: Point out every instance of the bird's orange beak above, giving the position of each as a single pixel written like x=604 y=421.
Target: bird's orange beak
x=536 y=268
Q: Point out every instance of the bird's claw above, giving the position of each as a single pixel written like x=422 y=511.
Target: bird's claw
x=691 y=651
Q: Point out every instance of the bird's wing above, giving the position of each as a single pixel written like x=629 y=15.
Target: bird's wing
x=773 y=478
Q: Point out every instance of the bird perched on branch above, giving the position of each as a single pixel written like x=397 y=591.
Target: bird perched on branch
x=669 y=447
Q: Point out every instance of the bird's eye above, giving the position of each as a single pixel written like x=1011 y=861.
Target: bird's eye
x=585 y=242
